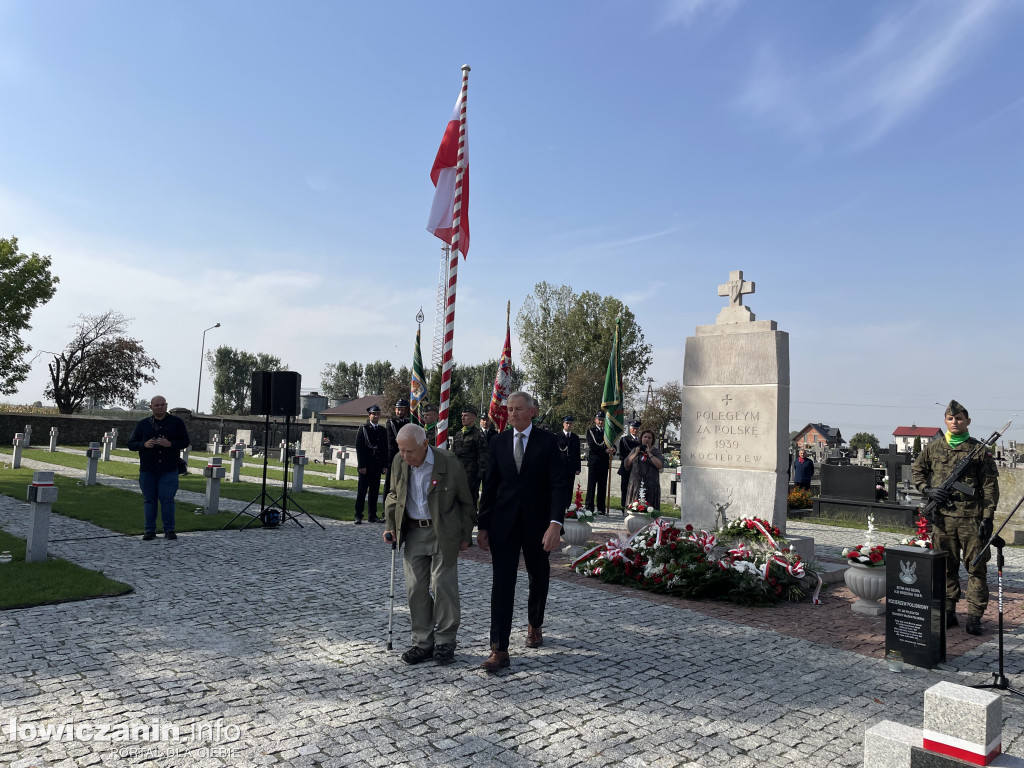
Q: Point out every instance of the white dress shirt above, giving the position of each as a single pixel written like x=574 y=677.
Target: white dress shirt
x=416 y=505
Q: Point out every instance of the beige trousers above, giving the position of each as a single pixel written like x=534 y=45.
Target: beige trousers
x=432 y=590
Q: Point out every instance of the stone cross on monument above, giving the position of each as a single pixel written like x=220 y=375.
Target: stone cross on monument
x=735 y=420
x=735 y=289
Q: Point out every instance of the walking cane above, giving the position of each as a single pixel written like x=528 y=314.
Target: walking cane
x=391 y=593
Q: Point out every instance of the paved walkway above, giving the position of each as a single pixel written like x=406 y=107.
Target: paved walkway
x=278 y=637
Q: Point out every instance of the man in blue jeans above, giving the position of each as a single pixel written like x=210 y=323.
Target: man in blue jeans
x=158 y=439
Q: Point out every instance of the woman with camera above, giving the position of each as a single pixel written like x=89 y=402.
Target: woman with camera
x=644 y=464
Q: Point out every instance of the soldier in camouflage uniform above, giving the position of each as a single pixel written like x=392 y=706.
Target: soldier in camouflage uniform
x=963 y=530
x=470 y=445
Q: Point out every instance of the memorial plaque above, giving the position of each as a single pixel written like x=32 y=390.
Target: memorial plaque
x=915 y=599
x=729 y=427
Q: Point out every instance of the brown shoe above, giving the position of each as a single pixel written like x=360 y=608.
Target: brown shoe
x=497 y=660
x=534 y=637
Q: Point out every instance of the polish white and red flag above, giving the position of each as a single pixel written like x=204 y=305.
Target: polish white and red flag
x=444 y=174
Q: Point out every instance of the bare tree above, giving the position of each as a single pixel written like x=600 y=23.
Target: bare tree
x=100 y=363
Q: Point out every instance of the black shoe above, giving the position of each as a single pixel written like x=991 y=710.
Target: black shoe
x=973 y=625
x=444 y=653
x=951 y=620
x=171 y=536
x=149 y=536
x=359 y=521
x=375 y=519
x=417 y=655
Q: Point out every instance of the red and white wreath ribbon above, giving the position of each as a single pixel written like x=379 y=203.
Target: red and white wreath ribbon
x=704 y=540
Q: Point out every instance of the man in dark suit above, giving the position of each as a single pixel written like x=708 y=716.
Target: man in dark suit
x=521 y=510
x=572 y=462
x=371 y=459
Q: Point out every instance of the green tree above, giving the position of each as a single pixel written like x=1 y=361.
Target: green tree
x=864 y=440
x=340 y=379
x=917 y=445
x=664 y=411
x=376 y=375
x=25 y=283
x=100 y=364
x=397 y=386
x=232 y=371
x=567 y=338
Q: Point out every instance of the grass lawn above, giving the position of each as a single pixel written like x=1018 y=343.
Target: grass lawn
x=55 y=581
x=121 y=510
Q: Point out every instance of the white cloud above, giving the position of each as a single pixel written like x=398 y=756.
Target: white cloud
x=899 y=65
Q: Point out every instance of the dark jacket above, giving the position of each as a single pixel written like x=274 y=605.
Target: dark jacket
x=394 y=426
x=597 y=451
x=569 y=452
x=626 y=444
x=159 y=460
x=803 y=471
x=371 y=447
x=528 y=499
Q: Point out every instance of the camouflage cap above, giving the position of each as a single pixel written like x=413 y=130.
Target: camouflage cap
x=954 y=408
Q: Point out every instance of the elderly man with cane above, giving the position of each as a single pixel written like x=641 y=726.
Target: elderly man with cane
x=430 y=511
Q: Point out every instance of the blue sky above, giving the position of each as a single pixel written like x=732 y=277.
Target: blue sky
x=266 y=166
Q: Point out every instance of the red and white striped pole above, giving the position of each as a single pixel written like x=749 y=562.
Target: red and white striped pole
x=453 y=268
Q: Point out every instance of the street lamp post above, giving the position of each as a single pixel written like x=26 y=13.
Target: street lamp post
x=202 y=351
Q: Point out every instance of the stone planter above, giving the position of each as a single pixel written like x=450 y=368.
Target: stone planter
x=576 y=534
x=636 y=522
x=868 y=584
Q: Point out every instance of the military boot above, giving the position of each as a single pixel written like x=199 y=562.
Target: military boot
x=973 y=625
x=951 y=620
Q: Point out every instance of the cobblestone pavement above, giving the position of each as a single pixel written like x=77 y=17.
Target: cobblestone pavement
x=279 y=635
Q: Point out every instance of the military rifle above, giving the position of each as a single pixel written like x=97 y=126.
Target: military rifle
x=952 y=483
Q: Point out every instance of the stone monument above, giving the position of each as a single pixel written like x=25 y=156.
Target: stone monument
x=735 y=421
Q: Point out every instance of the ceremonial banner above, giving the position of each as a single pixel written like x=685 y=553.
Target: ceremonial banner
x=418 y=383
x=612 y=402
x=498 y=410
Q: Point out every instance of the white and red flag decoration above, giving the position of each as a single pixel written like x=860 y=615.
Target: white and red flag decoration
x=498 y=410
x=444 y=175
x=449 y=220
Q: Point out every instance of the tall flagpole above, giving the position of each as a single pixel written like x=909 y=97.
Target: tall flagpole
x=453 y=267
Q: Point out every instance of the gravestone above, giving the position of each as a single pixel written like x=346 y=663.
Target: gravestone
x=915 y=618
x=19 y=446
x=735 y=420
x=53 y=439
x=41 y=495
x=243 y=436
x=312 y=443
x=847 y=482
x=894 y=461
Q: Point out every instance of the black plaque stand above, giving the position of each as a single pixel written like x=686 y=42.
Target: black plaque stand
x=999 y=681
x=915 y=598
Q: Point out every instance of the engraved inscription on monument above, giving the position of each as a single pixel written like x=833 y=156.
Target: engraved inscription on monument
x=728 y=427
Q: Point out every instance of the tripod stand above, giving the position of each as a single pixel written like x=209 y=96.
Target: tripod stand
x=999 y=681
x=263 y=495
